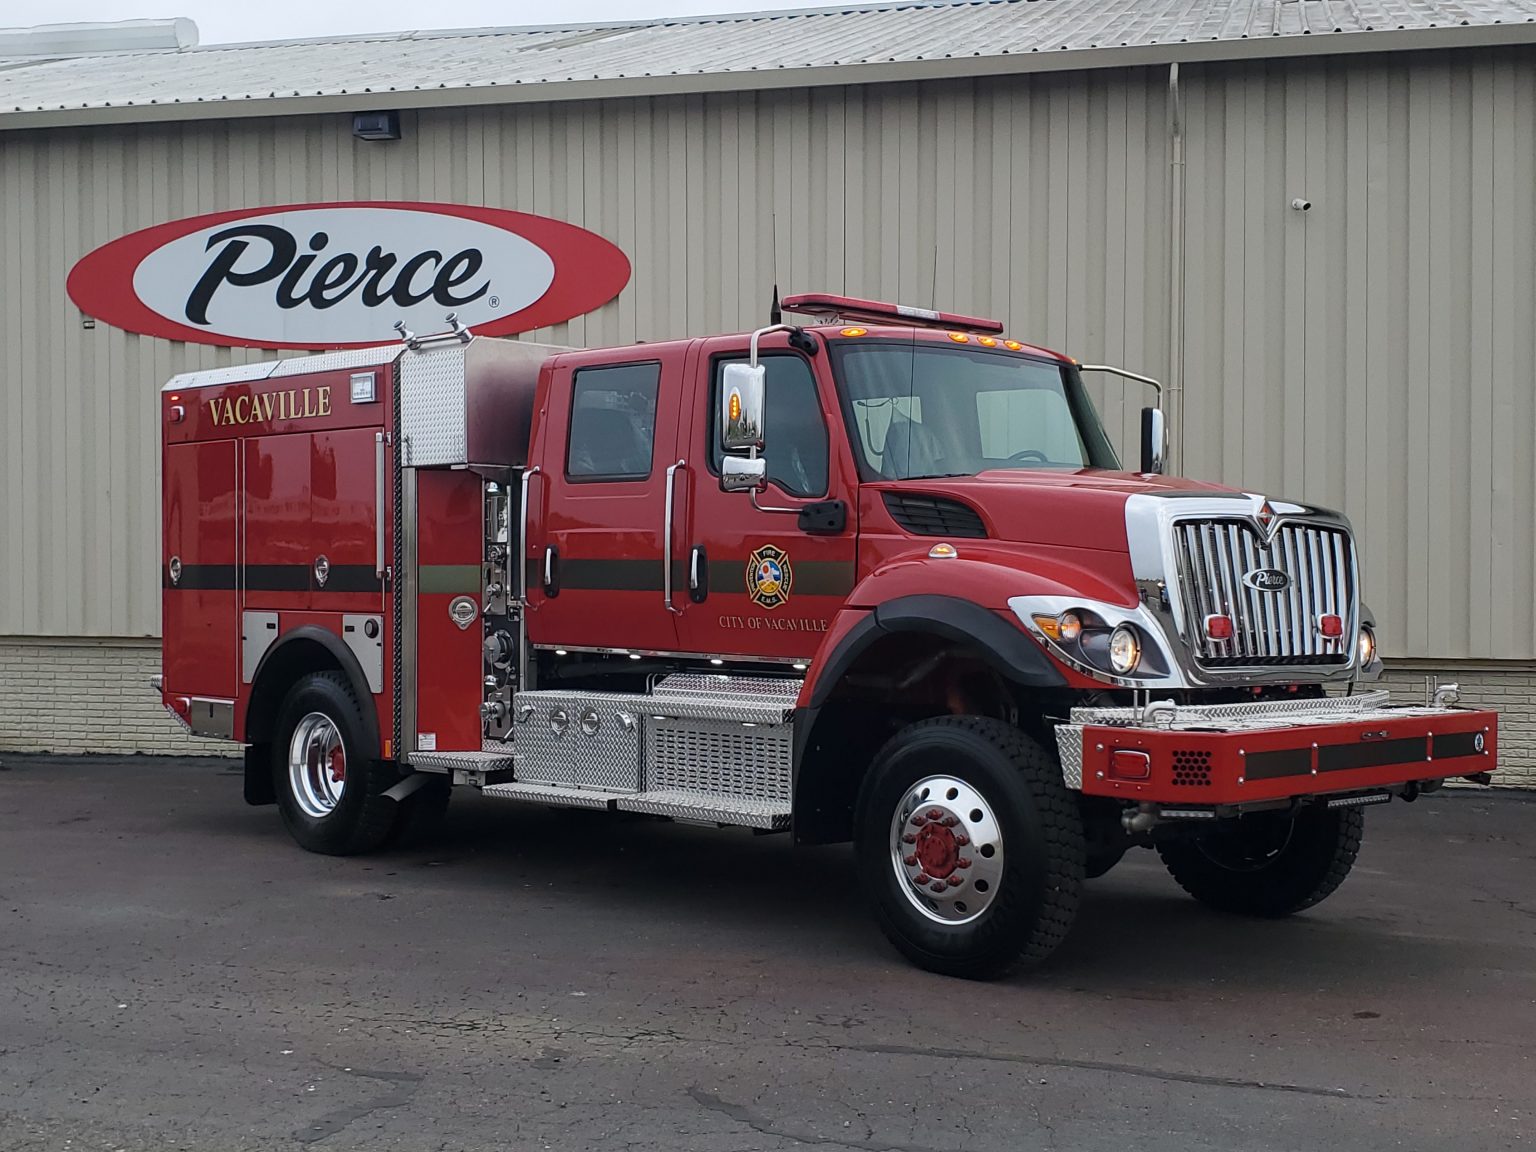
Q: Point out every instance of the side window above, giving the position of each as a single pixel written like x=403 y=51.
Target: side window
x=613 y=422
x=795 y=431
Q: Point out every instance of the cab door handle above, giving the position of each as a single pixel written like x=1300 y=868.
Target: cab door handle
x=698 y=574
x=666 y=536
x=551 y=571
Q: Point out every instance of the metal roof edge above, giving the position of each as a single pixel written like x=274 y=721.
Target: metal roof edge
x=601 y=25
x=844 y=75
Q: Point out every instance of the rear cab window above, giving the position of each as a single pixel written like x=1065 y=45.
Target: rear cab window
x=613 y=422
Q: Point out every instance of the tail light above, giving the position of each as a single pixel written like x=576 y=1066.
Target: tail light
x=1218 y=627
x=1331 y=626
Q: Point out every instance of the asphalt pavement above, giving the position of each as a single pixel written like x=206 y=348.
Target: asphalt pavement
x=176 y=974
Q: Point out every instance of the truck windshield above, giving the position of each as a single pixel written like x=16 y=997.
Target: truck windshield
x=930 y=410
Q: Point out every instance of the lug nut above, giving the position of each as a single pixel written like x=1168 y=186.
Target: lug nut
x=910 y=861
x=962 y=839
x=962 y=863
x=938 y=886
x=909 y=839
x=950 y=821
x=921 y=878
x=935 y=813
x=956 y=881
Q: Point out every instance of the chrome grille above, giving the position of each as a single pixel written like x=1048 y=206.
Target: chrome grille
x=1269 y=628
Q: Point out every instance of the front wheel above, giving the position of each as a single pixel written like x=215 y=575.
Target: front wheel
x=330 y=794
x=1270 y=863
x=969 y=846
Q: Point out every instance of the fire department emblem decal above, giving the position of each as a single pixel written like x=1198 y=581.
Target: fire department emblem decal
x=769 y=577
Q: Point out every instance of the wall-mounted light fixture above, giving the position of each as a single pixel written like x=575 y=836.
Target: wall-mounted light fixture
x=376 y=125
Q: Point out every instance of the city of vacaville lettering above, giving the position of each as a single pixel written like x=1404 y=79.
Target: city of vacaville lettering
x=264 y=407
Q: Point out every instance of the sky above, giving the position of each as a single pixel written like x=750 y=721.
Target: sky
x=231 y=21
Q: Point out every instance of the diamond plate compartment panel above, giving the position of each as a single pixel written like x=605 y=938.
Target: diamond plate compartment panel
x=723 y=689
x=719 y=759
x=578 y=740
x=336 y=361
x=432 y=406
x=1069 y=744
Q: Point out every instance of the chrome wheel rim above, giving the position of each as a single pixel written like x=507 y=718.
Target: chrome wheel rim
x=317 y=765
x=947 y=850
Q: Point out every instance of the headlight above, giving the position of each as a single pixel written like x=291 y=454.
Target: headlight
x=1366 y=650
x=1124 y=649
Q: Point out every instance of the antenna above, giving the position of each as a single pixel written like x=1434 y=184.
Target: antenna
x=775 y=313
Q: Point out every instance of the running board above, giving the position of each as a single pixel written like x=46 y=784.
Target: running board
x=693 y=807
x=705 y=748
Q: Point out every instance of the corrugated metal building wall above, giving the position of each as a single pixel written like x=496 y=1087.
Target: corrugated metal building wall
x=1373 y=354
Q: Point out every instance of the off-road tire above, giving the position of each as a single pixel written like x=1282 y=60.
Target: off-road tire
x=1316 y=857
x=363 y=816
x=1042 y=833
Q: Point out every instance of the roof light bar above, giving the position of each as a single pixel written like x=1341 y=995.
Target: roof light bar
x=851 y=308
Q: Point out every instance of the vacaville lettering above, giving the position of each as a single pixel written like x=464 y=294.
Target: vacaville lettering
x=314 y=276
x=265 y=407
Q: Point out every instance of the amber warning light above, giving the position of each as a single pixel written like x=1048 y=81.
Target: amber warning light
x=851 y=308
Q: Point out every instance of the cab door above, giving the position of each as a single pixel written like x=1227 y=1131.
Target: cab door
x=765 y=578
x=598 y=509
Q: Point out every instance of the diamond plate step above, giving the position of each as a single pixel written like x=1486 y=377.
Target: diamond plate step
x=694 y=806
x=707 y=809
x=467 y=767
x=554 y=794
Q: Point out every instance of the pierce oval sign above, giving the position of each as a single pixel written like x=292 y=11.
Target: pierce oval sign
x=341 y=275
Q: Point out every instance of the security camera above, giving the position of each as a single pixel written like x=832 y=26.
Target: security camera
x=1301 y=204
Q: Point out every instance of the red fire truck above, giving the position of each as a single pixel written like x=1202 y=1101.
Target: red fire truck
x=877 y=578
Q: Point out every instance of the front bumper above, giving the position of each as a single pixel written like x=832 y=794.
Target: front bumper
x=1240 y=754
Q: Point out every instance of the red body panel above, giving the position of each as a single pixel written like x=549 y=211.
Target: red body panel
x=449 y=524
x=285 y=473
x=736 y=618
x=607 y=533
x=280 y=539
x=1206 y=768
x=199 y=614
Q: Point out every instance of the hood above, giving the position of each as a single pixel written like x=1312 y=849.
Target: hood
x=1083 y=509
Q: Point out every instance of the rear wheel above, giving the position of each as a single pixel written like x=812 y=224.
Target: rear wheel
x=330 y=794
x=969 y=847
x=1270 y=863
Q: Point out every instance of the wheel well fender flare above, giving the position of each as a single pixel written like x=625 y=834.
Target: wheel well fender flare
x=268 y=691
x=1002 y=644
x=820 y=804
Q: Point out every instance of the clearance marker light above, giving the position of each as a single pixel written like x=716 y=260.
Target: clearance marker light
x=986 y=341
x=1013 y=346
x=854 y=332
x=959 y=337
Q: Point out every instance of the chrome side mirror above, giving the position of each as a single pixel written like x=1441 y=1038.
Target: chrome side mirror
x=741 y=406
x=743 y=473
x=1154 y=441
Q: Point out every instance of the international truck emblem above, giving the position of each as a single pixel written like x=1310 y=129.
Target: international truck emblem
x=1265 y=516
x=1267 y=580
x=769 y=577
